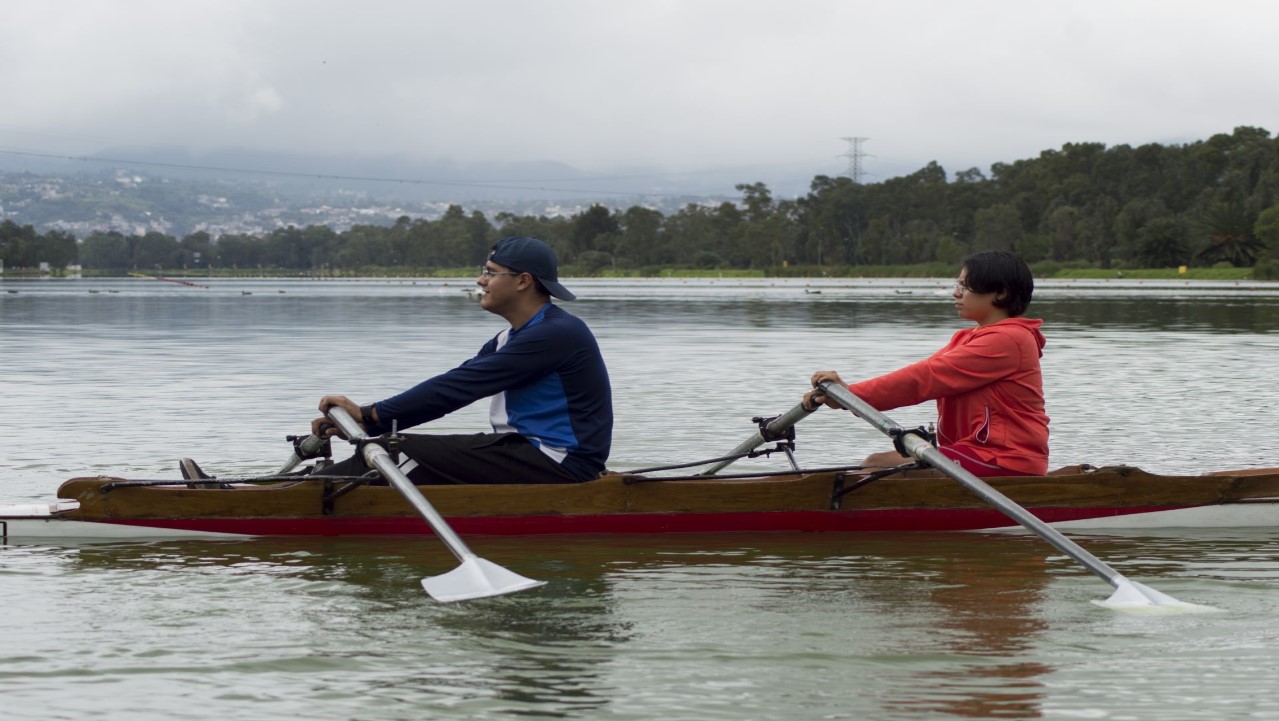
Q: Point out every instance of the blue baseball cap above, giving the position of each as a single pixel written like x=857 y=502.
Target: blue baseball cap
x=530 y=255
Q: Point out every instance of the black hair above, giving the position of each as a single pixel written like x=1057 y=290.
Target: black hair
x=1003 y=273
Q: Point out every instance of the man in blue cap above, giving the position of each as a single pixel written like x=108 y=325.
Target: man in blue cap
x=552 y=405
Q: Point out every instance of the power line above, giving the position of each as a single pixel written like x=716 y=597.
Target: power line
x=854 y=155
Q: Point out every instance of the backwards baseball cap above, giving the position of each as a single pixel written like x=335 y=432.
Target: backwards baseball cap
x=530 y=255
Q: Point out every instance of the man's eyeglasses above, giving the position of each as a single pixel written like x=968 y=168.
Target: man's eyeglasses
x=962 y=287
x=486 y=273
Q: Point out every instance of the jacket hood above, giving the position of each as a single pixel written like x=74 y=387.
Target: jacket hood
x=1030 y=324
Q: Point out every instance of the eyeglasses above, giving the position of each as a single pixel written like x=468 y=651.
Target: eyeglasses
x=486 y=273
x=961 y=287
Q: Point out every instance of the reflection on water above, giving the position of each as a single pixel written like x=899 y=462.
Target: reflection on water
x=878 y=625
x=1208 y=307
x=1199 y=315
x=632 y=626
x=732 y=626
x=1171 y=377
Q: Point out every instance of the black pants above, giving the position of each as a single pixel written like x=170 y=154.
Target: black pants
x=477 y=458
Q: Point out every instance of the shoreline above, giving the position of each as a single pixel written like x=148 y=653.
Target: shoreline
x=843 y=273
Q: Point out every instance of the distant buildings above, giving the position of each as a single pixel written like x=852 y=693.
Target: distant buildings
x=135 y=204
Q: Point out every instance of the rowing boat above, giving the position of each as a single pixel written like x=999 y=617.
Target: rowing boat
x=919 y=497
x=1079 y=497
x=930 y=494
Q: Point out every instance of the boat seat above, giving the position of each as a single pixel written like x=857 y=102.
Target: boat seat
x=191 y=471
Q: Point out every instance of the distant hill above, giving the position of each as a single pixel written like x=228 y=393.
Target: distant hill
x=407 y=179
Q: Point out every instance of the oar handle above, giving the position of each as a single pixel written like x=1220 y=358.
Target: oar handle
x=306 y=448
x=378 y=457
x=775 y=428
x=921 y=450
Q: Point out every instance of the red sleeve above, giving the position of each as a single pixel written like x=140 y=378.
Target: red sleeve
x=959 y=367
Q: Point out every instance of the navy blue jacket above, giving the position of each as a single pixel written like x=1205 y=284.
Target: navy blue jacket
x=548 y=383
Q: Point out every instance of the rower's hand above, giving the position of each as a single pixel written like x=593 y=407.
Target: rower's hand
x=322 y=426
x=815 y=397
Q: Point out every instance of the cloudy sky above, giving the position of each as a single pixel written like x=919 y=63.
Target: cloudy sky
x=690 y=85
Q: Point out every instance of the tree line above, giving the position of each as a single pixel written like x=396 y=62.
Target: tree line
x=1202 y=203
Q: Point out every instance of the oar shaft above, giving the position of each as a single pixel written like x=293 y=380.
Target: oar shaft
x=377 y=457
x=776 y=427
x=920 y=449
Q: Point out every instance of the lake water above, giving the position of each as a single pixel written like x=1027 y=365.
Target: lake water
x=127 y=376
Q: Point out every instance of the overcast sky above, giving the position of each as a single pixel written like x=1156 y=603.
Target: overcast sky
x=603 y=85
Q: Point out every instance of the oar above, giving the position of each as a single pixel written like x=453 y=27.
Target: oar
x=1128 y=595
x=476 y=577
x=774 y=429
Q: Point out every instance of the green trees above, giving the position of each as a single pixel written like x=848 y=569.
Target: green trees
x=309 y=248
x=236 y=251
x=17 y=245
x=157 y=250
x=196 y=248
x=998 y=227
x=696 y=235
x=594 y=231
x=1161 y=243
x=1228 y=228
x=643 y=241
x=110 y=250
x=368 y=246
x=1266 y=230
x=462 y=237
x=556 y=231
x=22 y=247
x=59 y=249
x=1205 y=202
x=763 y=234
x=833 y=217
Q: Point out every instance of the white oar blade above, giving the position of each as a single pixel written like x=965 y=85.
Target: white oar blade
x=1132 y=597
x=476 y=578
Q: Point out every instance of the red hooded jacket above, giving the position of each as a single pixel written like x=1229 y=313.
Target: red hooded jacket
x=989 y=393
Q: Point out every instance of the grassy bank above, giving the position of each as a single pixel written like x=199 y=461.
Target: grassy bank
x=941 y=270
x=1158 y=273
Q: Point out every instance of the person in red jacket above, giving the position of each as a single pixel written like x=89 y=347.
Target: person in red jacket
x=986 y=380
